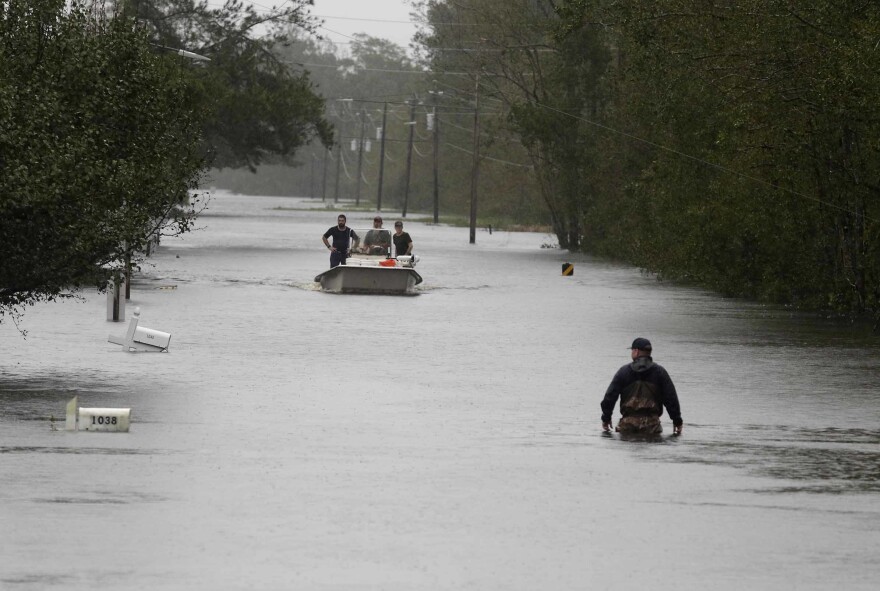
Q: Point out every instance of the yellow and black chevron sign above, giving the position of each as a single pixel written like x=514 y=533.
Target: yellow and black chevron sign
x=567 y=269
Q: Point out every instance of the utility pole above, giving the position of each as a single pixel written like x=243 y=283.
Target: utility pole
x=475 y=172
x=382 y=158
x=324 y=177
x=436 y=120
x=409 y=151
x=340 y=149
x=357 y=192
x=311 y=174
x=338 y=165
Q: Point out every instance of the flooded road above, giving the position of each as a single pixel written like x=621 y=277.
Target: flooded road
x=294 y=439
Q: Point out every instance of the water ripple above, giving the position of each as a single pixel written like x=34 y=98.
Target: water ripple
x=820 y=461
x=21 y=449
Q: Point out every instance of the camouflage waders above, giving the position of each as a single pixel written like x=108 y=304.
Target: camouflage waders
x=643 y=425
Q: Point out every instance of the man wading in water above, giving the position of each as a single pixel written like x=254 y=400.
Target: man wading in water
x=644 y=388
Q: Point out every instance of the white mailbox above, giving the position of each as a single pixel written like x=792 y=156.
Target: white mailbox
x=153 y=338
x=115 y=420
x=139 y=338
x=104 y=419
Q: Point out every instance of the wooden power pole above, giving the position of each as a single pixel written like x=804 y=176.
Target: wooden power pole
x=475 y=170
x=382 y=158
x=409 y=150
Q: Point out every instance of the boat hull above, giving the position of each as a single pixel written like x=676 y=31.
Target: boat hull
x=375 y=280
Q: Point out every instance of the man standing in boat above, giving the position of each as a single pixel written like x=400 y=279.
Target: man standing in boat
x=402 y=242
x=343 y=236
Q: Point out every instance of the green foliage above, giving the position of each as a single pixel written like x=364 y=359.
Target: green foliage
x=729 y=144
x=99 y=146
x=540 y=82
x=261 y=108
x=372 y=80
x=748 y=136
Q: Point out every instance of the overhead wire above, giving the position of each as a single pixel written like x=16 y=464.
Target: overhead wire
x=679 y=153
x=484 y=157
x=704 y=162
x=342 y=161
x=419 y=154
x=590 y=122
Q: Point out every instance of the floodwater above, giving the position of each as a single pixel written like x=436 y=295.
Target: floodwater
x=294 y=439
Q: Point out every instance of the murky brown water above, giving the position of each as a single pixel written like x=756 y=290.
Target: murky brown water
x=293 y=439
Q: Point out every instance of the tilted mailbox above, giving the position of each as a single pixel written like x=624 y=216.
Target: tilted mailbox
x=139 y=338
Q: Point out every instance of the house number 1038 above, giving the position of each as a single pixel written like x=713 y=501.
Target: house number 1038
x=103 y=420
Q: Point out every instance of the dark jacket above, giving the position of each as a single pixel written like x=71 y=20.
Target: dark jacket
x=644 y=388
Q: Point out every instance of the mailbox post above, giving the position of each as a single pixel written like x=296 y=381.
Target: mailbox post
x=116 y=294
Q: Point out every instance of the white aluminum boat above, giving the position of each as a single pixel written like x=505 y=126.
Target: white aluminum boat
x=359 y=276
x=372 y=268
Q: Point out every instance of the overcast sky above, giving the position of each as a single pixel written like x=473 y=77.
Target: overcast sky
x=388 y=19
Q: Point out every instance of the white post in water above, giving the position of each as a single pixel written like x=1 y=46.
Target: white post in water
x=70 y=420
x=116 y=299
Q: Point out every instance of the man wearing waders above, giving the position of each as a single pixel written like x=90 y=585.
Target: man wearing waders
x=644 y=388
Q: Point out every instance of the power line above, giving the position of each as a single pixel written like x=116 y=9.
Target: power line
x=483 y=156
x=416 y=150
x=368 y=20
x=681 y=154
x=671 y=151
x=360 y=69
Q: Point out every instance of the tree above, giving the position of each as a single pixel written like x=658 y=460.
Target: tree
x=757 y=173
x=100 y=141
x=381 y=82
x=260 y=106
x=515 y=60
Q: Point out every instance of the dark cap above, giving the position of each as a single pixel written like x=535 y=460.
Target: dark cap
x=398 y=224
x=378 y=218
x=641 y=344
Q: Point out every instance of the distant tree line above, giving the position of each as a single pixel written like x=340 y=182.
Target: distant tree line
x=371 y=85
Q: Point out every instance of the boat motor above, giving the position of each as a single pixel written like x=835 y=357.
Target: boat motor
x=408 y=260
